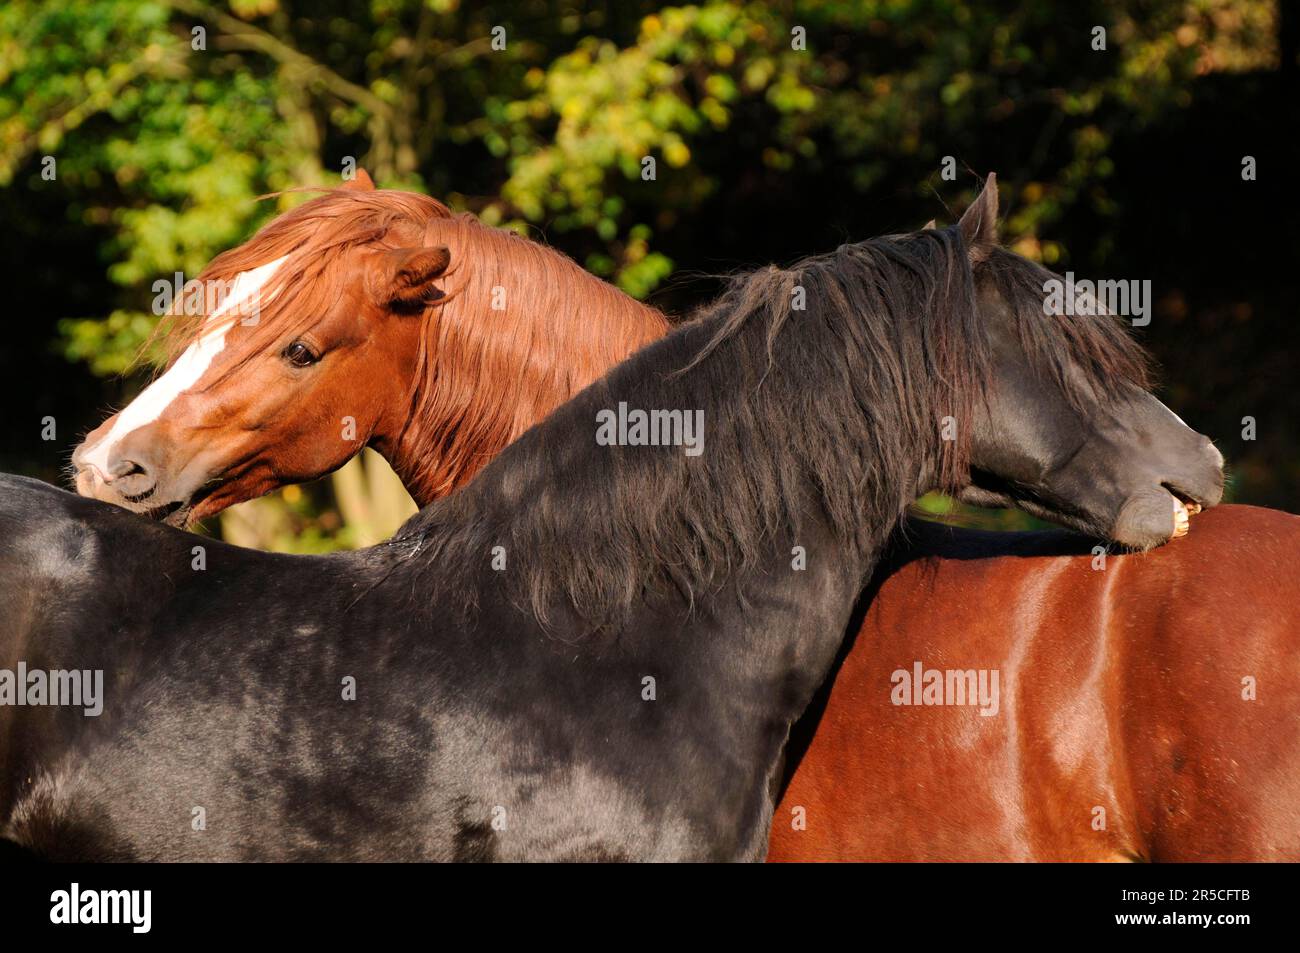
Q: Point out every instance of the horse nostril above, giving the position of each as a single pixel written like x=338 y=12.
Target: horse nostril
x=131 y=480
x=122 y=468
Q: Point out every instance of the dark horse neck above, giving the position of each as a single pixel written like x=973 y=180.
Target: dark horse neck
x=717 y=571
x=695 y=460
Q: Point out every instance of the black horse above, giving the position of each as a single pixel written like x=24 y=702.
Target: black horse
x=593 y=651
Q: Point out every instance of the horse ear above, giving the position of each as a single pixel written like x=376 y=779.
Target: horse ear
x=928 y=225
x=404 y=277
x=361 y=182
x=979 y=223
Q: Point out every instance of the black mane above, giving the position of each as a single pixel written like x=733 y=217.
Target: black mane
x=845 y=396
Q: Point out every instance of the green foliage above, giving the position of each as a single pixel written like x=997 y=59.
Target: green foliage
x=167 y=146
x=902 y=94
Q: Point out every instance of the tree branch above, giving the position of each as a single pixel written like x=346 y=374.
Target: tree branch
x=255 y=38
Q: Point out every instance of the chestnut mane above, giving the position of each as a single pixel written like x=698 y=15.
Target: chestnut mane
x=483 y=376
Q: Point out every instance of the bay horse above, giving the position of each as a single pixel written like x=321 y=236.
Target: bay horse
x=443 y=433
x=596 y=649
x=1149 y=704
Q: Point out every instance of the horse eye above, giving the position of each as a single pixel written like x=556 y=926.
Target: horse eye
x=300 y=355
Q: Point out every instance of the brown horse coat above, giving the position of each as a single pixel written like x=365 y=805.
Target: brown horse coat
x=1126 y=730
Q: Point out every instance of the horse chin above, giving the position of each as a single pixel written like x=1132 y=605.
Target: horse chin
x=184 y=513
x=178 y=517
x=1154 y=518
x=209 y=500
x=170 y=514
x=1146 y=520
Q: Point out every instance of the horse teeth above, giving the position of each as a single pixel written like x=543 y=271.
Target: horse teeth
x=1182 y=519
x=1193 y=508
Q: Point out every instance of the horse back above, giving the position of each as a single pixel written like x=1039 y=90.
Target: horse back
x=1120 y=725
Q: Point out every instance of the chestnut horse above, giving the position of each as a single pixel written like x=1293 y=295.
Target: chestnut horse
x=536 y=383
x=597 y=649
x=365 y=349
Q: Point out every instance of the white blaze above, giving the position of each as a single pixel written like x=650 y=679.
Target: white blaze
x=187 y=370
